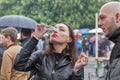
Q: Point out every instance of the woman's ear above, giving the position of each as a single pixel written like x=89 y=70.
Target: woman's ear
x=117 y=17
x=69 y=40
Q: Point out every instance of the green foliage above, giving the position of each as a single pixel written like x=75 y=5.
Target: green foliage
x=77 y=13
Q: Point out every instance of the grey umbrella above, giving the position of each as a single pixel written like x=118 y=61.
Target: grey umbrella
x=17 y=21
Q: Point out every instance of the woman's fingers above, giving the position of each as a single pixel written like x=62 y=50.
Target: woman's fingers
x=83 y=55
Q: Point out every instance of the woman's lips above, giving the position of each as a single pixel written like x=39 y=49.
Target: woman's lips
x=54 y=35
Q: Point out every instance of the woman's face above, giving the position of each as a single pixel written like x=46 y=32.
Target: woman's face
x=60 y=34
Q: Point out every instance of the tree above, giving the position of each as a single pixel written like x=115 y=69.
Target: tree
x=77 y=13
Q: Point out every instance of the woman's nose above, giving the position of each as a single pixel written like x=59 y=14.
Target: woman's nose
x=55 y=31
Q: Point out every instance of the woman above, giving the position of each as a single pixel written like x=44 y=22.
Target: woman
x=58 y=62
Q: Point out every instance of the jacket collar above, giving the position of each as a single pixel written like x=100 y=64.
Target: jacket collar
x=62 y=62
x=24 y=40
x=115 y=37
x=12 y=45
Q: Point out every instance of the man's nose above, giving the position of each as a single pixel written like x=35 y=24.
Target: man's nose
x=99 y=23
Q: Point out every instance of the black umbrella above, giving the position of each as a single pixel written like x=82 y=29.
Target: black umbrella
x=17 y=21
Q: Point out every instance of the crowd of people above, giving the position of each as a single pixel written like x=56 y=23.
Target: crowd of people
x=64 y=54
x=86 y=43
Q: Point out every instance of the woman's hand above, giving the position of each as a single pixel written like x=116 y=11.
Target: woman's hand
x=40 y=31
x=82 y=61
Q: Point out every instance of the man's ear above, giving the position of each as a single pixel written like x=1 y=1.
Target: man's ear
x=117 y=17
x=8 y=38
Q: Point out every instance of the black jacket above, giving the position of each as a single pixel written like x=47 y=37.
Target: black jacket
x=114 y=69
x=23 y=41
x=2 y=49
x=43 y=65
x=115 y=37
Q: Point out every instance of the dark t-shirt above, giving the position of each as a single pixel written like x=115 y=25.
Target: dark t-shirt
x=2 y=49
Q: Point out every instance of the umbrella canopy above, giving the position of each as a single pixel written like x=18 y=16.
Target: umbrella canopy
x=84 y=30
x=98 y=30
x=17 y=21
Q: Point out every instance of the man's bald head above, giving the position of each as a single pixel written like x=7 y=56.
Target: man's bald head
x=112 y=7
x=109 y=17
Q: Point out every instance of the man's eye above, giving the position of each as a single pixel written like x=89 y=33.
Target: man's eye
x=101 y=17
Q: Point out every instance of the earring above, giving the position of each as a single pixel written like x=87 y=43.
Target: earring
x=68 y=46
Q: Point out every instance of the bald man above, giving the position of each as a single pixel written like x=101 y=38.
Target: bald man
x=109 y=21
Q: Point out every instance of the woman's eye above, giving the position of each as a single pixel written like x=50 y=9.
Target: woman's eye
x=62 y=30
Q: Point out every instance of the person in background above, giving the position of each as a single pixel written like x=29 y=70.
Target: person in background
x=109 y=21
x=25 y=35
x=42 y=44
x=2 y=49
x=86 y=45
x=78 y=41
x=59 y=62
x=104 y=47
x=9 y=38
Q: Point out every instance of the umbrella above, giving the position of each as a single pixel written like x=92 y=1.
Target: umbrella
x=99 y=30
x=17 y=21
x=84 y=30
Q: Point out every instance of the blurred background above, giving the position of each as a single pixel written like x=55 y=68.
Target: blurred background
x=77 y=13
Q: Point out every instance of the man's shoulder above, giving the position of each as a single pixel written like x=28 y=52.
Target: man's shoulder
x=13 y=50
x=116 y=62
